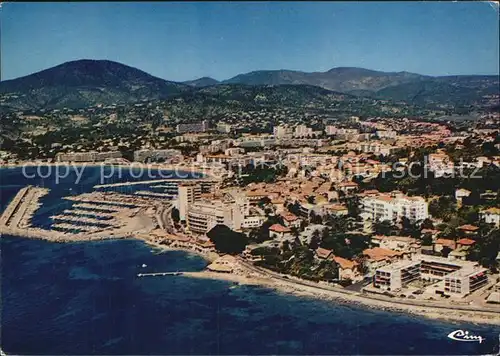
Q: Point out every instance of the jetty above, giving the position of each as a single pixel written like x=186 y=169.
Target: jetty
x=80 y=220
x=170 y=180
x=98 y=208
x=90 y=213
x=154 y=194
x=105 y=199
x=22 y=207
x=156 y=274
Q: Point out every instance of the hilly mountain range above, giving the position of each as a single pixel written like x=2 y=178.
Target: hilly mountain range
x=85 y=83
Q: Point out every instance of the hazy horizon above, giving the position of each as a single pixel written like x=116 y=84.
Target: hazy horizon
x=187 y=41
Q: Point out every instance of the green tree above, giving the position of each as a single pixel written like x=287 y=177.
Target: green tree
x=227 y=240
x=175 y=215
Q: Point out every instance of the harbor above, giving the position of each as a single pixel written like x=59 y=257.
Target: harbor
x=96 y=216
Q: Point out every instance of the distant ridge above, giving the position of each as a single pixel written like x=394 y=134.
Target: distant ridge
x=87 y=82
x=84 y=83
x=202 y=82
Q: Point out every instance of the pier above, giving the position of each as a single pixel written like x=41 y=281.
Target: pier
x=156 y=274
x=14 y=204
x=170 y=180
x=84 y=220
x=99 y=208
x=89 y=213
x=154 y=194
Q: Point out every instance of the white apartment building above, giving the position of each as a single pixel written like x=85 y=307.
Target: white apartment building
x=397 y=275
x=393 y=207
x=282 y=131
x=386 y=134
x=491 y=216
x=302 y=131
x=330 y=130
x=188 y=193
x=203 y=215
x=376 y=148
x=465 y=281
x=253 y=221
x=222 y=127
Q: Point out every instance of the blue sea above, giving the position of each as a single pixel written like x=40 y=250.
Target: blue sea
x=85 y=298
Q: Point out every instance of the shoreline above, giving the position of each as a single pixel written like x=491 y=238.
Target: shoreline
x=434 y=313
x=256 y=277
x=292 y=286
x=204 y=172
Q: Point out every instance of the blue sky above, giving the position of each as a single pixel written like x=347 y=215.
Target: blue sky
x=183 y=41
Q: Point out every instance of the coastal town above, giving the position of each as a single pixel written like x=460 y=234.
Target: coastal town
x=376 y=209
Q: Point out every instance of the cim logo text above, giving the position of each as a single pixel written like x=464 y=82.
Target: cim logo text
x=462 y=335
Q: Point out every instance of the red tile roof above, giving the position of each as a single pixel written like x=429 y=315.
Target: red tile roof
x=466 y=242
x=344 y=263
x=446 y=242
x=468 y=227
x=279 y=228
x=323 y=252
x=290 y=217
x=379 y=254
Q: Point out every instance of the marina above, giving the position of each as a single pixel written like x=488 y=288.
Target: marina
x=127 y=216
x=170 y=180
x=154 y=194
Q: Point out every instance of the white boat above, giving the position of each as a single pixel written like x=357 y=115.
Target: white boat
x=144 y=265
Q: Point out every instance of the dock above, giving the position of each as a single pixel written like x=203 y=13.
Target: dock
x=122 y=222
x=105 y=199
x=156 y=274
x=154 y=194
x=170 y=180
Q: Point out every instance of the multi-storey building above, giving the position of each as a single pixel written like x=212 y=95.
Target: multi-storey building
x=193 y=127
x=87 y=156
x=386 y=134
x=395 y=206
x=302 y=131
x=168 y=155
x=465 y=281
x=330 y=130
x=376 y=148
x=435 y=268
x=397 y=275
x=203 y=215
x=282 y=131
x=188 y=193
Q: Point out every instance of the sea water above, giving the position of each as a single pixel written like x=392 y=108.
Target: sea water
x=86 y=298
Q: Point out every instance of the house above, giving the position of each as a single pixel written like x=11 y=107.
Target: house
x=491 y=216
x=396 y=243
x=439 y=244
x=290 y=220
x=465 y=243
x=224 y=264
x=278 y=231
x=432 y=232
x=347 y=187
x=322 y=253
x=335 y=210
x=468 y=229
x=377 y=257
x=460 y=194
x=347 y=269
